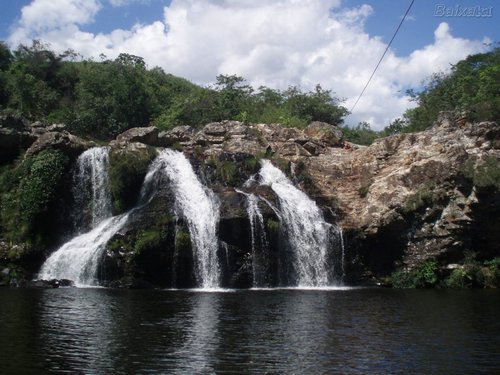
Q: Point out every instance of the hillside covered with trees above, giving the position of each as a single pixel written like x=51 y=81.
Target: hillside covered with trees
x=103 y=98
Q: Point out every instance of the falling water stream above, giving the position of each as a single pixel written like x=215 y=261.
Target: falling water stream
x=306 y=229
x=79 y=258
x=199 y=207
x=90 y=187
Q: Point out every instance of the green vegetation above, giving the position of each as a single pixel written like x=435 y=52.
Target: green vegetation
x=361 y=134
x=28 y=193
x=226 y=171
x=363 y=191
x=486 y=174
x=252 y=163
x=427 y=196
x=423 y=276
x=147 y=240
x=472 y=87
x=472 y=274
x=273 y=225
x=101 y=99
x=126 y=174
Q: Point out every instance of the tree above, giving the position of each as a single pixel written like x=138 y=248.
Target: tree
x=472 y=86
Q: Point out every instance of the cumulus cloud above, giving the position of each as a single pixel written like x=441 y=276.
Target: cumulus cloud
x=276 y=43
x=43 y=16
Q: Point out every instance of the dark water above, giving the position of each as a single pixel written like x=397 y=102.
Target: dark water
x=366 y=331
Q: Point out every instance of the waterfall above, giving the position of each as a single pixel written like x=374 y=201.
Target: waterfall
x=79 y=258
x=200 y=208
x=90 y=188
x=305 y=227
x=342 y=249
x=259 y=240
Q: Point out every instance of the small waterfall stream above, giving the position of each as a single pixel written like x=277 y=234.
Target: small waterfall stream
x=79 y=258
x=199 y=206
x=306 y=229
x=90 y=188
x=259 y=240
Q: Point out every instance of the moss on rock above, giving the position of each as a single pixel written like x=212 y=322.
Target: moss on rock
x=127 y=168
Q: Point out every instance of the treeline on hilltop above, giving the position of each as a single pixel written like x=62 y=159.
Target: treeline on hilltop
x=103 y=98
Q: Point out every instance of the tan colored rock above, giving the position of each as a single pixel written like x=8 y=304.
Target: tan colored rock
x=68 y=143
x=323 y=132
x=148 y=135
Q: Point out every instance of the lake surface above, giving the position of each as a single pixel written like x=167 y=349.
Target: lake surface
x=357 y=331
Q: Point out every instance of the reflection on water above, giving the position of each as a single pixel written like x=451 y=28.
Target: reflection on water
x=256 y=331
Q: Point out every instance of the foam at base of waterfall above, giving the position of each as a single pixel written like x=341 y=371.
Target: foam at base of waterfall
x=79 y=259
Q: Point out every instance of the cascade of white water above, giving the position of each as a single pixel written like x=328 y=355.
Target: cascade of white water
x=79 y=258
x=342 y=259
x=305 y=227
x=200 y=208
x=259 y=240
x=90 y=185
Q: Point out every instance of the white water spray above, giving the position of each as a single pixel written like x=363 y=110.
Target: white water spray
x=200 y=208
x=306 y=229
x=90 y=185
x=79 y=259
x=259 y=240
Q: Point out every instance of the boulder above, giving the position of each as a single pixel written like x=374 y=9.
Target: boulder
x=328 y=134
x=215 y=129
x=236 y=128
x=179 y=134
x=148 y=135
x=313 y=148
x=70 y=144
x=291 y=149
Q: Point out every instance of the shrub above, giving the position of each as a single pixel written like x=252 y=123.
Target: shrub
x=427 y=196
x=147 y=240
x=423 y=276
x=475 y=275
x=363 y=191
x=29 y=193
x=486 y=174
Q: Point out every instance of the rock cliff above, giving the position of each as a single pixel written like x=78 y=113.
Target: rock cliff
x=403 y=200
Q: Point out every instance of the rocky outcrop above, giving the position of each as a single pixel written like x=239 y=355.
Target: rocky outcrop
x=403 y=200
x=66 y=142
x=147 y=135
x=324 y=133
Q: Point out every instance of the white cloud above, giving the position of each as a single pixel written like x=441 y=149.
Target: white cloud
x=275 y=43
x=121 y=3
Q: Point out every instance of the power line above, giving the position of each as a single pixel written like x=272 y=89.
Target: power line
x=381 y=58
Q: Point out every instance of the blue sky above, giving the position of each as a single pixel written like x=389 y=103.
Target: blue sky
x=276 y=43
